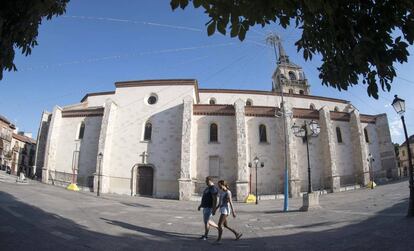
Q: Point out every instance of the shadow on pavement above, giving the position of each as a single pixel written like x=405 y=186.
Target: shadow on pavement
x=134 y=204
x=24 y=227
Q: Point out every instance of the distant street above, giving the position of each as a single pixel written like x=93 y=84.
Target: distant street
x=36 y=216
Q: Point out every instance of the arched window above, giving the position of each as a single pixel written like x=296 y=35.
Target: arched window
x=81 y=130
x=301 y=92
x=262 y=133
x=290 y=91
x=212 y=101
x=249 y=102
x=213 y=132
x=148 y=131
x=292 y=75
x=336 y=109
x=366 y=135
x=338 y=135
x=312 y=107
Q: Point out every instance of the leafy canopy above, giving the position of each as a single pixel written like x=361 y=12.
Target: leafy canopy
x=19 y=24
x=356 y=38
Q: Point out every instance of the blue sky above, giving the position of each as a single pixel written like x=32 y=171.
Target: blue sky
x=97 y=43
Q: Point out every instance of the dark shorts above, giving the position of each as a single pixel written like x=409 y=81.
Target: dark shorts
x=207 y=214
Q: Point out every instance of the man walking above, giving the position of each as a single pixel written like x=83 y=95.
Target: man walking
x=208 y=203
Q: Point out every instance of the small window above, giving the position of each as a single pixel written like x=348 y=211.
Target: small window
x=336 y=109
x=338 y=135
x=148 y=131
x=301 y=92
x=292 y=75
x=212 y=101
x=366 y=135
x=152 y=99
x=262 y=133
x=81 y=130
x=403 y=153
x=213 y=132
x=312 y=107
x=249 y=102
x=290 y=91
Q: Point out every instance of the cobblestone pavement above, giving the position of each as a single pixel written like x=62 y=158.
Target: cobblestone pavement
x=36 y=216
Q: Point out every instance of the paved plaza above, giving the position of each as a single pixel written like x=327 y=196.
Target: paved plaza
x=37 y=216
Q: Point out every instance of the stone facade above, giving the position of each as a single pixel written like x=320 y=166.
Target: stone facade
x=6 y=133
x=23 y=158
x=163 y=137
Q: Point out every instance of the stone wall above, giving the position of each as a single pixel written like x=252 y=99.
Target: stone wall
x=41 y=142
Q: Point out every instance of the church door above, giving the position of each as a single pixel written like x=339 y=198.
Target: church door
x=145 y=180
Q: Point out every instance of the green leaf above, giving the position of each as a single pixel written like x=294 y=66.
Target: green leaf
x=234 y=30
x=211 y=28
x=197 y=3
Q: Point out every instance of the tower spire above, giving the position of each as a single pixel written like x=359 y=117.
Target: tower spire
x=283 y=58
x=287 y=77
x=276 y=41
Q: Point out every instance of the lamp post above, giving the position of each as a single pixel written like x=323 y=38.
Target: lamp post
x=306 y=131
x=399 y=107
x=371 y=159
x=100 y=155
x=256 y=163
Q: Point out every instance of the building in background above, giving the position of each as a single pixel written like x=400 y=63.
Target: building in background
x=403 y=156
x=162 y=138
x=6 y=132
x=23 y=154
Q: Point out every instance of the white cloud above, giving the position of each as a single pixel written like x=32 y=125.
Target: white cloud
x=396 y=129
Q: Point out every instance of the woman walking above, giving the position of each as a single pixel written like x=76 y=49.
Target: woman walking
x=226 y=207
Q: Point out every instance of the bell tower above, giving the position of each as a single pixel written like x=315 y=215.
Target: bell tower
x=288 y=77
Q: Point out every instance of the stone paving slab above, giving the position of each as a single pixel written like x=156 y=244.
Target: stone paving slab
x=44 y=217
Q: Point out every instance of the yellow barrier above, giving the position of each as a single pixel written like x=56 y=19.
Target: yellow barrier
x=251 y=199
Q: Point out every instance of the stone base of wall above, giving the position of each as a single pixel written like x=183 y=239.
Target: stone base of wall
x=294 y=188
x=242 y=190
x=186 y=189
x=336 y=184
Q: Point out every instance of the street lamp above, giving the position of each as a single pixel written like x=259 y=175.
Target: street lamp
x=306 y=131
x=100 y=155
x=371 y=159
x=399 y=107
x=256 y=163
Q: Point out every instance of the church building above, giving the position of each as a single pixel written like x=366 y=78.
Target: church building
x=161 y=138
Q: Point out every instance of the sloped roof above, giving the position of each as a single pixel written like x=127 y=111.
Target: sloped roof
x=411 y=139
x=4 y=119
x=24 y=138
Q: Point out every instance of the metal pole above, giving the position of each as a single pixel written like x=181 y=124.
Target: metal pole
x=272 y=39
x=410 y=169
x=257 y=198
x=250 y=183
x=372 y=172
x=99 y=177
x=286 y=178
x=309 y=167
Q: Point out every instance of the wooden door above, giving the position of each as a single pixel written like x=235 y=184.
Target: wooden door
x=145 y=180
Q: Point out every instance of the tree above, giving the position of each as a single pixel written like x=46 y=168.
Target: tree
x=357 y=39
x=19 y=24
